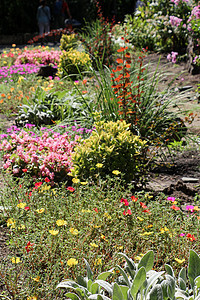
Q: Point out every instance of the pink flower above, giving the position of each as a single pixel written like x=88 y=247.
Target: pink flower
x=71 y=189
x=27 y=208
x=125 y=201
x=174 y=207
x=171 y=199
x=190 y=208
x=182 y=234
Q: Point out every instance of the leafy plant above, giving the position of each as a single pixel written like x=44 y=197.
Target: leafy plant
x=114 y=146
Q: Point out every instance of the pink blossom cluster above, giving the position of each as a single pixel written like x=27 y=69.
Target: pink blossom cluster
x=42 y=156
x=195 y=15
x=175 y=21
x=39 y=57
x=172 y=57
x=176 y=2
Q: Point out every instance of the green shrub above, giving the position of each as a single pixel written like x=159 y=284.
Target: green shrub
x=68 y=41
x=73 y=62
x=114 y=146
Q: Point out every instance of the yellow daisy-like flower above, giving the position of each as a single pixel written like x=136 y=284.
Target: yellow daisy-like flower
x=40 y=211
x=72 y=262
x=15 y=260
x=94 y=245
x=73 y=231
x=107 y=216
x=85 y=210
x=11 y=223
x=37 y=279
x=140 y=219
x=32 y=298
x=99 y=165
x=146 y=233
x=180 y=261
x=61 y=222
x=116 y=172
x=21 y=205
x=84 y=182
x=75 y=180
x=54 y=232
x=98 y=262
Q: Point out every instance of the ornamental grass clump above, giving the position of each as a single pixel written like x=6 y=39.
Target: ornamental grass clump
x=73 y=63
x=111 y=146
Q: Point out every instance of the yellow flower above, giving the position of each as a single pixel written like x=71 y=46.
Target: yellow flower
x=180 y=261
x=11 y=223
x=37 y=279
x=72 y=262
x=98 y=262
x=61 y=222
x=116 y=172
x=138 y=257
x=75 y=180
x=97 y=226
x=32 y=298
x=94 y=245
x=15 y=260
x=13 y=45
x=146 y=233
x=84 y=182
x=196 y=208
x=149 y=226
x=21 y=205
x=21 y=227
x=107 y=216
x=99 y=165
x=140 y=219
x=40 y=211
x=54 y=232
x=85 y=210
x=104 y=238
x=73 y=231
x=162 y=230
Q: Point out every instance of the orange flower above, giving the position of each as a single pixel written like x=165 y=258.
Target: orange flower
x=3 y=95
x=174 y=207
x=84 y=81
x=190 y=237
x=134 y=199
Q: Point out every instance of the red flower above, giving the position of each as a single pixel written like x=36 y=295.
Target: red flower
x=38 y=184
x=28 y=247
x=174 y=207
x=134 y=199
x=95 y=209
x=24 y=170
x=143 y=205
x=27 y=208
x=47 y=179
x=191 y=237
x=125 y=201
x=71 y=189
x=129 y=212
x=146 y=211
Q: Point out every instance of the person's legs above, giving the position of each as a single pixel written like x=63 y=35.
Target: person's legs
x=46 y=27
x=41 y=28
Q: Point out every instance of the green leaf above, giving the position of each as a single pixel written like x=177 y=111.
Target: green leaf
x=89 y=271
x=197 y=282
x=82 y=281
x=124 y=276
x=72 y=296
x=169 y=270
x=156 y=293
x=147 y=261
x=164 y=285
x=193 y=267
x=104 y=275
x=182 y=274
x=94 y=288
x=152 y=279
x=117 y=293
x=124 y=290
x=171 y=286
x=138 y=281
x=131 y=265
x=107 y=286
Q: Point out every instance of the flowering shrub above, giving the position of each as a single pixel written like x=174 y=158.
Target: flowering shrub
x=45 y=155
x=9 y=72
x=68 y=41
x=111 y=146
x=41 y=56
x=73 y=62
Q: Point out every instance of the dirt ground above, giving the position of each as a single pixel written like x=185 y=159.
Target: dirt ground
x=182 y=179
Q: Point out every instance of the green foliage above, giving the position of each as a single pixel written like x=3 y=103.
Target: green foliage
x=73 y=63
x=68 y=41
x=143 y=283
x=113 y=145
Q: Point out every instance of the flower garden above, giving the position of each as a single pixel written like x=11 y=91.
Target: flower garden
x=79 y=219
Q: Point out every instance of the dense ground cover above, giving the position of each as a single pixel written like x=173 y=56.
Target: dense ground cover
x=75 y=168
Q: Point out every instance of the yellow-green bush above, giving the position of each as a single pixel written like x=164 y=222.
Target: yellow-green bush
x=73 y=62
x=114 y=146
x=68 y=41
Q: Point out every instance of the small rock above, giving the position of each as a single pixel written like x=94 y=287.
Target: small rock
x=189 y=179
